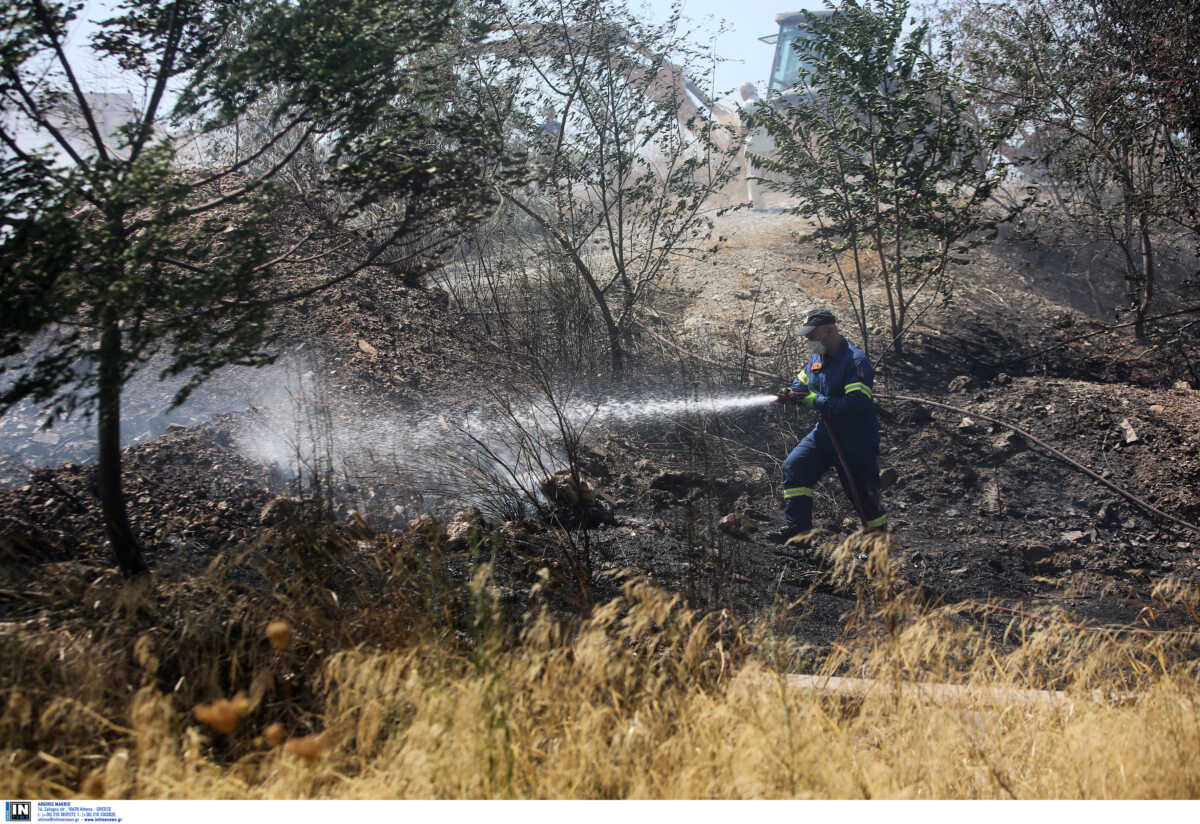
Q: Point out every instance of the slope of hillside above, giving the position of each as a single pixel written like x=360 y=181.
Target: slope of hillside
x=978 y=511
x=985 y=521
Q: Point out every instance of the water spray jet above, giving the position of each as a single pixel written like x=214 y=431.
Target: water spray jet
x=496 y=457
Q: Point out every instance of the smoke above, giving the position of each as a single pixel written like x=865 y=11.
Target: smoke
x=145 y=414
x=362 y=452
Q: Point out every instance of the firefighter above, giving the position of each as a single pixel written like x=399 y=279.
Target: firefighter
x=837 y=384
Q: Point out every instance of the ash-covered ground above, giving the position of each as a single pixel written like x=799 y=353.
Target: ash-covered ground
x=389 y=404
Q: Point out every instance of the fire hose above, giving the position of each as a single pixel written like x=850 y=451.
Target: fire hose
x=845 y=474
x=1061 y=456
x=851 y=487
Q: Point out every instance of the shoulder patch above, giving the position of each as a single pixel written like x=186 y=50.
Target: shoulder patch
x=816 y=366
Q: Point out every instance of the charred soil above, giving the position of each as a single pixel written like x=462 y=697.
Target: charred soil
x=980 y=515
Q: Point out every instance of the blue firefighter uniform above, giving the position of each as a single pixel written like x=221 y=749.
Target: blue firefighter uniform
x=843 y=383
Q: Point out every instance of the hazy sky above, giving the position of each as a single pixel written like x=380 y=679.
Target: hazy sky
x=748 y=58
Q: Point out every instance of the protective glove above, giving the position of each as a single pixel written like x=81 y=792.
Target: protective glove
x=809 y=400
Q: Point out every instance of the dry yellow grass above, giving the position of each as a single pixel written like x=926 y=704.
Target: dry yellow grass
x=647 y=699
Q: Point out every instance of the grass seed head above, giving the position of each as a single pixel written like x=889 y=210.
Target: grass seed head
x=274 y=734
x=222 y=715
x=309 y=747
x=280 y=634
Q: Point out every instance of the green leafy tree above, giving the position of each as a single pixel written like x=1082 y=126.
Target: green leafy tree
x=1157 y=44
x=113 y=252
x=879 y=148
x=1104 y=124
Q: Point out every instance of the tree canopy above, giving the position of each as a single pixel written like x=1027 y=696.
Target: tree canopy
x=114 y=249
x=1103 y=121
x=878 y=146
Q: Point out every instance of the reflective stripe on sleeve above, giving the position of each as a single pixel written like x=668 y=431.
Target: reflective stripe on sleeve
x=797 y=491
x=858 y=386
x=802 y=377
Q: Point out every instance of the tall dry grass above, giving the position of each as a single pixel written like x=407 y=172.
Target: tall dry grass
x=646 y=698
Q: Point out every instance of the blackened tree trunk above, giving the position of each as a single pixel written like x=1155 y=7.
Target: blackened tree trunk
x=125 y=546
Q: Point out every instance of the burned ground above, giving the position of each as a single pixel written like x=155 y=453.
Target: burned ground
x=981 y=516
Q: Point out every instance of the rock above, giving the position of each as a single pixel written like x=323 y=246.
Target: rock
x=753 y=475
x=737 y=524
x=1131 y=435
x=575 y=503
x=1008 y=442
x=966 y=423
x=738 y=486
x=367 y=348
x=679 y=484
x=465 y=528
x=1157 y=408
x=1002 y=379
x=1181 y=386
x=1074 y=536
x=519 y=530
x=959 y=384
x=562 y=490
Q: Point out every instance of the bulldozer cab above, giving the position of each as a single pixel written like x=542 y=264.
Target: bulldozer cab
x=788 y=62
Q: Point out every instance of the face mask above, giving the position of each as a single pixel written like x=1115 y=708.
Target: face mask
x=816 y=347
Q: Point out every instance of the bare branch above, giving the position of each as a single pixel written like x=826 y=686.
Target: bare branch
x=146 y=127
x=85 y=109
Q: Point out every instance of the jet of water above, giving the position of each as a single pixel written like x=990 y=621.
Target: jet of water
x=513 y=445
x=635 y=411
